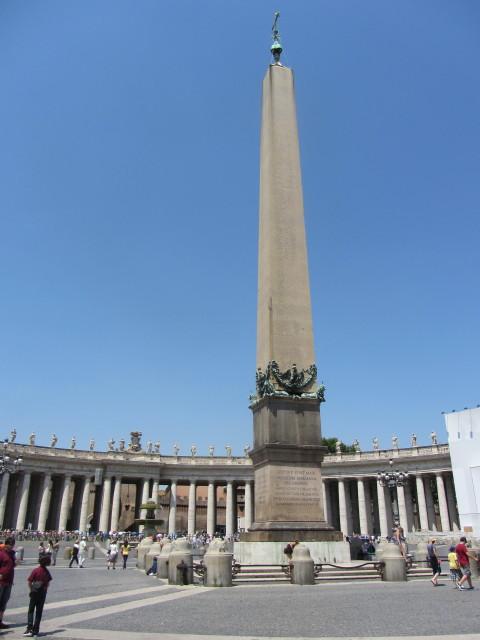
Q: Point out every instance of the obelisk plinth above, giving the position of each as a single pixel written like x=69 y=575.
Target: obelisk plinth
x=287 y=452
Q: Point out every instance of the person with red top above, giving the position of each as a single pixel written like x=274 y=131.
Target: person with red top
x=464 y=554
x=7 y=571
x=38 y=581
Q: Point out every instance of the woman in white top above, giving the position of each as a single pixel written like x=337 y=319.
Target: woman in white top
x=112 y=555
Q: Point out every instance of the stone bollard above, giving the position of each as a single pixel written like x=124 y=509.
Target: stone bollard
x=218 y=565
x=421 y=552
x=162 y=563
x=91 y=553
x=19 y=552
x=395 y=569
x=302 y=566
x=67 y=553
x=142 y=550
x=180 y=563
x=154 y=550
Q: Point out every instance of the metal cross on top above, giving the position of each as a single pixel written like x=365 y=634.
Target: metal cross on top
x=276 y=47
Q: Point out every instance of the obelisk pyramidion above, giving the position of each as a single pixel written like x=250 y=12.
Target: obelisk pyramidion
x=287 y=452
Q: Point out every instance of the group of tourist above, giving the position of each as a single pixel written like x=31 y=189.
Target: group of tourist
x=459 y=559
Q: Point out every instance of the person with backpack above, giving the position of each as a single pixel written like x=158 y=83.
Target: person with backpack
x=75 y=550
x=38 y=582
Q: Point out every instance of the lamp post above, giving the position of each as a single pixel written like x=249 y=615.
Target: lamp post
x=392 y=479
x=7 y=463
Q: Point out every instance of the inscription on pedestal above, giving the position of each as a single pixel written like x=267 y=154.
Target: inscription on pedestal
x=288 y=492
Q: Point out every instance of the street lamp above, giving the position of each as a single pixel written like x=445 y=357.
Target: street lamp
x=7 y=463
x=392 y=479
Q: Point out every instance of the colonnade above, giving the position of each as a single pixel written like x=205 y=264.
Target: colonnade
x=426 y=502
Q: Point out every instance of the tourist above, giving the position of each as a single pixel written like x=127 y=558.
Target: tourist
x=55 y=549
x=38 y=581
x=112 y=555
x=455 y=572
x=464 y=555
x=125 y=550
x=82 y=552
x=7 y=571
x=433 y=561
x=154 y=568
x=75 y=550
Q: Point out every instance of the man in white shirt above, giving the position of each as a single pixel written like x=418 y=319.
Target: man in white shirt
x=82 y=553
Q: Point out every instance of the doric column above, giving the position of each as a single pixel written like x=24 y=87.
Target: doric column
x=344 y=506
x=105 y=511
x=442 y=502
x=3 y=496
x=84 y=507
x=172 y=515
x=145 y=497
x=192 y=508
x=211 y=509
x=326 y=501
x=248 y=505
x=155 y=491
x=117 y=490
x=452 y=506
x=430 y=505
x=362 y=507
x=45 y=502
x=409 y=505
x=402 y=508
x=65 y=503
x=382 y=511
x=229 y=527
x=22 y=509
x=422 y=503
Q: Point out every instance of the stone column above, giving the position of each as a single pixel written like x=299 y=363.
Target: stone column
x=422 y=503
x=155 y=491
x=172 y=515
x=211 y=509
x=326 y=501
x=105 y=511
x=248 y=505
x=117 y=490
x=409 y=505
x=402 y=508
x=3 y=496
x=45 y=502
x=344 y=506
x=452 y=506
x=229 y=514
x=362 y=507
x=84 y=507
x=382 y=511
x=430 y=506
x=145 y=497
x=65 y=503
x=192 y=507
x=442 y=502
x=22 y=509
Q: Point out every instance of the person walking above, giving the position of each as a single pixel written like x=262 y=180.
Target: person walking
x=38 y=582
x=7 y=572
x=434 y=561
x=464 y=554
x=82 y=552
x=112 y=555
x=455 y=572
x=125 y=550
x=75 y=550
x=55 y=548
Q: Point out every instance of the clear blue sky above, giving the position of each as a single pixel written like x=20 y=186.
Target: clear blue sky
x=129 y=148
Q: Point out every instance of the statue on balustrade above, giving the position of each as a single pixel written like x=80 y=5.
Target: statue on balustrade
x=31 y=438
x=73 y=442
x=91 y=444
x=176 y=449
x=394 y=442
x=157 y=447
x=13 y=435
x=228 y=450
x=356 y=446
x=413 y=440
x=149 y=446
x=121 y=444
x=135 y=442
x=53 y=441
x=111 y=444
x=211 y=450
x=376 y=444
x=193 y=450
x=338 y=447
x=246 y=450
x=433 y=436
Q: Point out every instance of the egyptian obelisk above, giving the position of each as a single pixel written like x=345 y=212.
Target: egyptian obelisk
x=287 y=452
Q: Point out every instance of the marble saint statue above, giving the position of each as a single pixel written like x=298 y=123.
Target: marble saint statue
x=157 y=447
x=228 y=449
x=413 y=440
x=91 y=444
x=376 y=444
x=433 y=436
x=176 y=449
x=121 y=444
x=149 y=446
x=338 y=447
x=73 y=442
x=31 y=438
x=394 y=442
x=13 y=435
x=111 y=444
x=53 y=441
x=246 y=450
x=211 y=451
x=193 y=450
x=356 y=445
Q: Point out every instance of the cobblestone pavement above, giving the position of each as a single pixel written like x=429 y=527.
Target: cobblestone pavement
x=96 y=604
